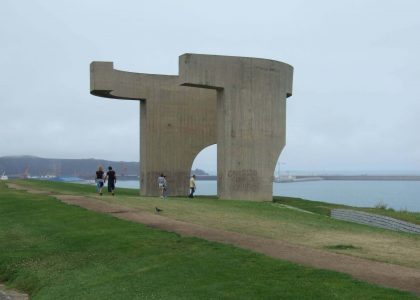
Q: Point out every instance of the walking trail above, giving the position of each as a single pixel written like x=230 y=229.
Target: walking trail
x=383 y=274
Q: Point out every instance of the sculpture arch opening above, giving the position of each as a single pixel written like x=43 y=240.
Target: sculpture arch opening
x=206 y=160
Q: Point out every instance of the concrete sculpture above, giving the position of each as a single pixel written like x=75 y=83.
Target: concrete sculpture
x=237 y=102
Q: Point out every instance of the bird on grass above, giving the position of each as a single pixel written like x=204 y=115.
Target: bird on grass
x=158 y=210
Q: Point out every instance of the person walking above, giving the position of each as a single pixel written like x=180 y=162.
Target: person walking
x=161 y=184
x=112 y=180
x=192 y=187
x=99 y=180
x=165 y=188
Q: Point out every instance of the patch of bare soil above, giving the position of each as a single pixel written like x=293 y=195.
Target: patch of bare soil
x=384 y=274
x=11 y=295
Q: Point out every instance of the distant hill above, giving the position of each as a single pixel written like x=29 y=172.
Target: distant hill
x=23 y=166
x=199 y=172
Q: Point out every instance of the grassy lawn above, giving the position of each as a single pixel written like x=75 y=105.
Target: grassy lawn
x=69 y=188
x=270 y=220
x=56 y=251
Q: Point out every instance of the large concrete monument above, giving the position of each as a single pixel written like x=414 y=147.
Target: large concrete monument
x=237 y=103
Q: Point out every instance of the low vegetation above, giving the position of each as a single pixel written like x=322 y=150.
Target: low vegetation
x=381 y=205
x=68 y=188
x=56 y=251
x=341 y=247
x=274 y=220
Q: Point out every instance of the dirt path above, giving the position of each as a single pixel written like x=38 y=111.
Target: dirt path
x=383 y=274
x=6 y=294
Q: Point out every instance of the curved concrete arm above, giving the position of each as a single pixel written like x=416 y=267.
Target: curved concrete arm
x=219 y=72
x=107 y=82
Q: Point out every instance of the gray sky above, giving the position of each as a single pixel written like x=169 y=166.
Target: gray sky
x=355 y=103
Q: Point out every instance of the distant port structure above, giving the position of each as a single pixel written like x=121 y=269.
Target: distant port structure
x=300 y=178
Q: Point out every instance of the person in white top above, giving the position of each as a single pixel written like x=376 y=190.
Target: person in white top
x=161 y=183
x=192 y=187
x=165 y=187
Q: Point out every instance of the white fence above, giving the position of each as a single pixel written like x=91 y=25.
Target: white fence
x=374 y=220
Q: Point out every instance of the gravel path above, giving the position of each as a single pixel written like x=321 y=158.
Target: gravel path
x=11 y=295
x=384 y=274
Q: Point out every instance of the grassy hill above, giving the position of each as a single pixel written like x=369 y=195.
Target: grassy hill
x=21 y=166
x=56 y=251
x=16 y=166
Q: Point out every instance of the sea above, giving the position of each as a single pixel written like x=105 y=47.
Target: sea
x=398 y=195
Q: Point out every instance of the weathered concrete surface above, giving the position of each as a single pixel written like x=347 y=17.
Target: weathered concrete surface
x=176 y=122
x=251 y=118
x=237 y=102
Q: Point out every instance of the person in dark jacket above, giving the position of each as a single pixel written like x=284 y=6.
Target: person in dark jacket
x=112 y=180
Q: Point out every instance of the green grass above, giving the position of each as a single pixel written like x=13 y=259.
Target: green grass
x=268 y=220
x=412 y=217
x=318 y=207
x=57 y=251
x=70 y=188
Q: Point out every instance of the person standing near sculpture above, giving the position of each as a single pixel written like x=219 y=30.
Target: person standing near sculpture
x=161 y=184
x=99 y=180
x=165 y=188
x=112 y=180
x=192 y=187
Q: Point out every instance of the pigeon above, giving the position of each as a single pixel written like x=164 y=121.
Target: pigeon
x=158 y=210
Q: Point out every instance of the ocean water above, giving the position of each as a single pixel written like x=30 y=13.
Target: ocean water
x=399 y=195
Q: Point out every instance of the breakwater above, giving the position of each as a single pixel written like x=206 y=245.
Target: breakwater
x=360 y=177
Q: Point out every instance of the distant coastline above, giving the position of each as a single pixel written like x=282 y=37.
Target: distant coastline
x=298 y=178
x=67 y=169
x=372 y=177
x=347 y=177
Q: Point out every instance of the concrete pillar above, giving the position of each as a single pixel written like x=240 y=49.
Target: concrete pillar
x=251 y=116
x=176 y=122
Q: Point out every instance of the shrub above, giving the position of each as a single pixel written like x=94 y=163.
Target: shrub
x=381 y=205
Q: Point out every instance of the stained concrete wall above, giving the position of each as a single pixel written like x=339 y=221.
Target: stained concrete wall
x=251 y=118
x=176 y=122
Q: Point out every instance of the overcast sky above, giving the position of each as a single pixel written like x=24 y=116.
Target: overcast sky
x=355 y=103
